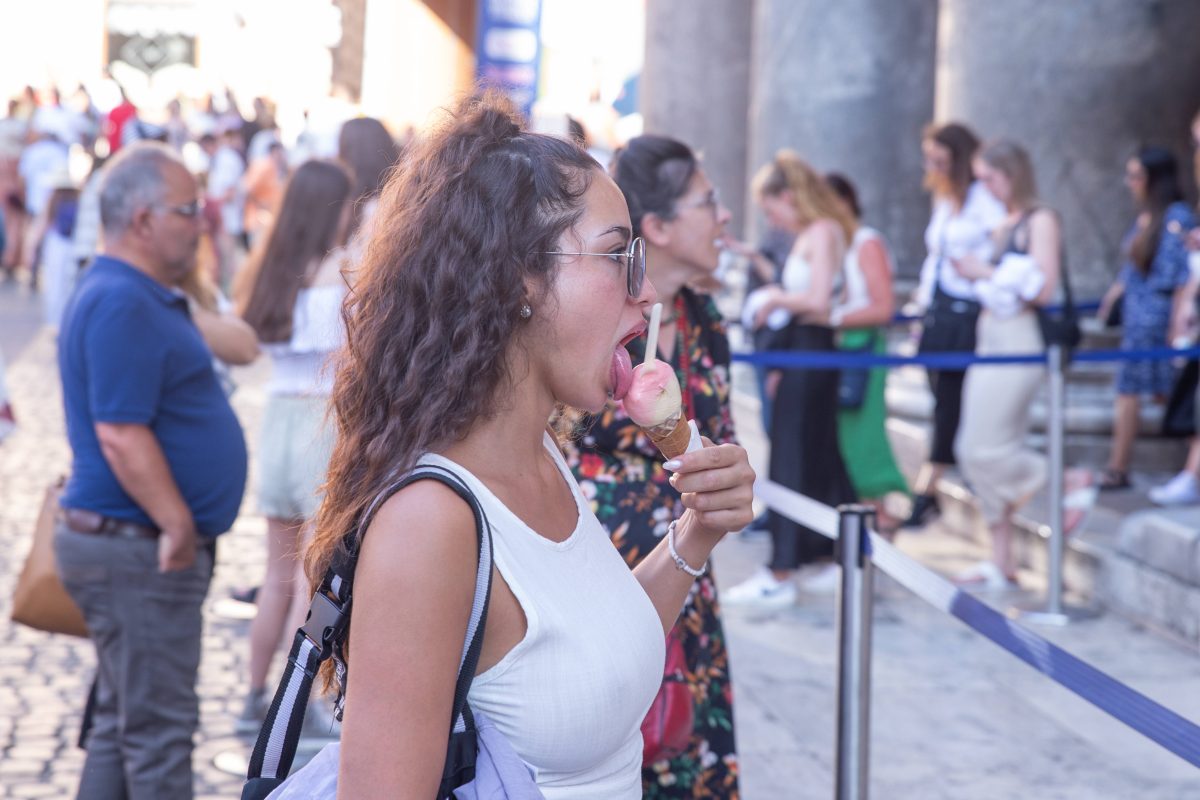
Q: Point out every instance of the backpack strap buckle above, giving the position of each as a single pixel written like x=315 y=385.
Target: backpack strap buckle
x=325 y=624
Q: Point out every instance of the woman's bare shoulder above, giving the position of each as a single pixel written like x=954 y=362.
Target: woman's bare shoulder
x=425 y=525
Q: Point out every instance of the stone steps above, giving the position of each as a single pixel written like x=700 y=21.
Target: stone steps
x=1091 y=395
x=1143 y=563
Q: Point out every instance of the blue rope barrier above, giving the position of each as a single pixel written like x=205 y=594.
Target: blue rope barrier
x=1149 y=718
x=797 y=359
x=1154 y=721
x=1158 y=723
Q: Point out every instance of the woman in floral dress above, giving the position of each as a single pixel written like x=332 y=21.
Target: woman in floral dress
x=1150 y=287
x=676 y=210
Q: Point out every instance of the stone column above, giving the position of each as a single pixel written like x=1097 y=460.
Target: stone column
x=849 y=85
x=694 y=85
x=1081 y=84
x=347 y=74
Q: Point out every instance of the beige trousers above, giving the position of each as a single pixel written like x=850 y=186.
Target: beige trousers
x=991 y=445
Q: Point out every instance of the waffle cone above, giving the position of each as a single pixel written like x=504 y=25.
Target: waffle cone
x=673 y=443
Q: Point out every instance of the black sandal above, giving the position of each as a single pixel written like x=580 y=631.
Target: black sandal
x=1113 y=480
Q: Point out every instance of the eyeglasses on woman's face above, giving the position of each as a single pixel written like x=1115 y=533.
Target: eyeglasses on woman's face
x=711 y=201
x=633 y=258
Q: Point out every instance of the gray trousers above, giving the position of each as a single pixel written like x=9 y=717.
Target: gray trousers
x=146 y=627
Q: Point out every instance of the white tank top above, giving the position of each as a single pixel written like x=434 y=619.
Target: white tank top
x=571 y=696
x=797 y=275
x=301 y=366
x=856 y=295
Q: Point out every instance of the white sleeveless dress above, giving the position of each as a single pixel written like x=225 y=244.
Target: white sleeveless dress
x=571 y=696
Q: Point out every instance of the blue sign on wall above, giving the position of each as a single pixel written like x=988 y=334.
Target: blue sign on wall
x=508 y=48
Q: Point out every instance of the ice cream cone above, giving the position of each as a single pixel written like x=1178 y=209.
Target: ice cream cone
x=674 y=442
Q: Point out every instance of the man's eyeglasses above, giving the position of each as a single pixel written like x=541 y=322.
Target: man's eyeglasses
x=634 y=259
x=189 y=210
x=711 y=201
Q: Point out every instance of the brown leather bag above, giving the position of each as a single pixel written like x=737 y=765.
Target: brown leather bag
x=39 y=599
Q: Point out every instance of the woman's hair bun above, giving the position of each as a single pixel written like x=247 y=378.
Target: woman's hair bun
x=491 y=116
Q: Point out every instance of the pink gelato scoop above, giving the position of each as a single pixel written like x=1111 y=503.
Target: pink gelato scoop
x=654 y=402
x=654 y=399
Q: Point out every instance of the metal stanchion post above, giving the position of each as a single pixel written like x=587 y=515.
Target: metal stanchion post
x=854 y=653
x=1054 y=614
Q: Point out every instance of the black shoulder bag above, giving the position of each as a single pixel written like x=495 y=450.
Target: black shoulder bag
x=1057 y=329
x=949 y=323
x=323 y=636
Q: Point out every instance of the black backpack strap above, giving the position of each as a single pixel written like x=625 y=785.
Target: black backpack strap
x=323 y=636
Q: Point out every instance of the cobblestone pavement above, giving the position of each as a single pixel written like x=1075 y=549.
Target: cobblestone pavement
x=954 y=716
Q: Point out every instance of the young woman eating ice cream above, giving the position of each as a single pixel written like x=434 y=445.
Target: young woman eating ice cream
x=676 y=209
x=501 y=280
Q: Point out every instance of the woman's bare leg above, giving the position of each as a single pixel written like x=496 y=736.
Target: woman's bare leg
x=928 y=477
x=1002 y=549
x=275 y=598
x=1125 y=428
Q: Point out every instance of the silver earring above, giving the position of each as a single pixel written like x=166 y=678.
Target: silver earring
x=526 y=311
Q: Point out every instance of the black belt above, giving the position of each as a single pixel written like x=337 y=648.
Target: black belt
x=81 y=520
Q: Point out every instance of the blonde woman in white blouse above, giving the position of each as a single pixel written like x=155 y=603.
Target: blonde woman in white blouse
x=1023 y=276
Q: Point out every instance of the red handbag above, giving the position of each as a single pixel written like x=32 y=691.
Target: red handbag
x=667 y=729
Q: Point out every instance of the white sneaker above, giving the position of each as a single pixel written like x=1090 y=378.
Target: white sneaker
x=761 y=590
x=825 y=580
x=984 y=575
x=1182 y=490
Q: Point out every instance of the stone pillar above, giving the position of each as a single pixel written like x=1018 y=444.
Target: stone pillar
x=1081 y=84
x=849 y=85
x=694 y=85
x=347 y=76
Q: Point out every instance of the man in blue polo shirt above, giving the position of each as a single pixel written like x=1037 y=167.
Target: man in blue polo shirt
x=158 y=473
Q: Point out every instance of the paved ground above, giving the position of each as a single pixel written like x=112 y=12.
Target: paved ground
x=954 y=716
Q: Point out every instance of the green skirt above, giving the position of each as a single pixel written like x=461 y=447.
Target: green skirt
x=862 y=432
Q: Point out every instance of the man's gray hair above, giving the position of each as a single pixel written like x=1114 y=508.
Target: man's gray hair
x=133 y=180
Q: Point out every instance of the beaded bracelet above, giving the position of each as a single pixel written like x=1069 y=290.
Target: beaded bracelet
x=679 y=562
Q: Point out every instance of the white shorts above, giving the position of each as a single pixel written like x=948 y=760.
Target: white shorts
x=294 y=451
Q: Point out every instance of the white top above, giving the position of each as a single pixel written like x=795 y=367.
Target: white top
x=1016 y=283
x=967 y=231
x=855 y=295
x=299 y=366
x=797 y=274
x=225 y=173
x=571 y=696
x=42 y=165
x=12 y=137
x=797 y=277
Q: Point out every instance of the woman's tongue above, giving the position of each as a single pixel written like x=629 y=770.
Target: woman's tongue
x=621 y=373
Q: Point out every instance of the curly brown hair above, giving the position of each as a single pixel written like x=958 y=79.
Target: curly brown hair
x=461 y=242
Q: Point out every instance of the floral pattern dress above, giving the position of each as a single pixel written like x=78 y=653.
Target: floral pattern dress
x=1146 y=304
x=620 y=471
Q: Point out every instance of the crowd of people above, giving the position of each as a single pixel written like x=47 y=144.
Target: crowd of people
x=996 y=265
x=438 y=303
x=53 y=148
